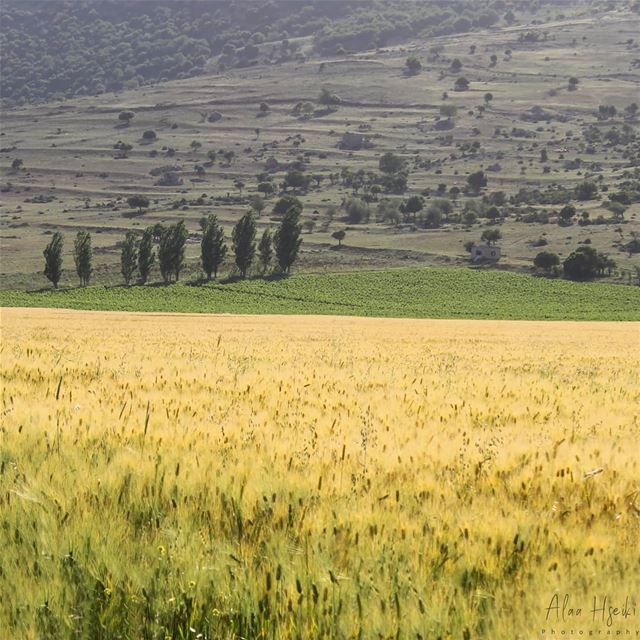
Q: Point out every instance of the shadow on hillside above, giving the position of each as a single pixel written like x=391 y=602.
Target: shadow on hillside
x=273 y=277
x=49 y=289
x=193 y=282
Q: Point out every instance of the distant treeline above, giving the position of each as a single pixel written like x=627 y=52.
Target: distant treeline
x=54 y=48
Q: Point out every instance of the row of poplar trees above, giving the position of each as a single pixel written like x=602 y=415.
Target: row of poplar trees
x=139 y=254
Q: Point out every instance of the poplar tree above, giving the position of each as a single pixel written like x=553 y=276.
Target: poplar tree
x=288 y=238
x=265 y=250
x=213 y=247
x=53 y=259
x=129 y=257
x=83 y=256
x=146 y=255
x=244 y=242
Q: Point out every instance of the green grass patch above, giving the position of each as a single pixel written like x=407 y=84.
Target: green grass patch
x=402 y=293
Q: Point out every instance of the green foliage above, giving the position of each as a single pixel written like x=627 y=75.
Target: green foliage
x=390 y=163
x=266 y=187
x=158 y=229
x=66 y=49
x=566 y=214
x=296 y=180
x=213 y=249
x=395 y=183
x=492 y=213
x=287 y=239
x=129 y=257
x=413 y=65
x=244 y=242
x=146 y=254
x=546 y=260
x=388 y=211
x=339 y=236
x=257 y=203
x=265 y=250
x=357 y=211
x=433 y=217
x=491 y=236
x=477 y=181
x=82 y=256
x=585 y=263
x=618 y=209
x=413 y=205
x=171 y=251
x=53 y=259
x=126 y=116
x=285 y=203
x=327 y=98
x=138 y=202
x=433 y=292
x=633 y=246
x=63 y=49
x=606 y=111
x=586 y=190
x=368 y=25
x=438 y=211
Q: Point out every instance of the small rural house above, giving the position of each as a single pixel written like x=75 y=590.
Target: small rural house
x=485 y=253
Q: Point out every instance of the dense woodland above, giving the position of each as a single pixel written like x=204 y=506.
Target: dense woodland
x=53 y=48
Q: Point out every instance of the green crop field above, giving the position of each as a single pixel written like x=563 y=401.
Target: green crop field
x=419 y=293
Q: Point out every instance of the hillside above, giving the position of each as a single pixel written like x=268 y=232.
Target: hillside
x=53 y=49
x=549 y=118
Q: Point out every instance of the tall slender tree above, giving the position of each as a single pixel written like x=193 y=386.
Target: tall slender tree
x=146 y=255
x=265 y=250
x=164 y=255
x=129 y=257
x=213 y=247
x=180 y=235
x=244 y=242
x=83 y=256
x=171 y=251
x=53 y=259
x=288 y=238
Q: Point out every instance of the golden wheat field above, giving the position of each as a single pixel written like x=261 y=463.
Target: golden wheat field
x=219 y=477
